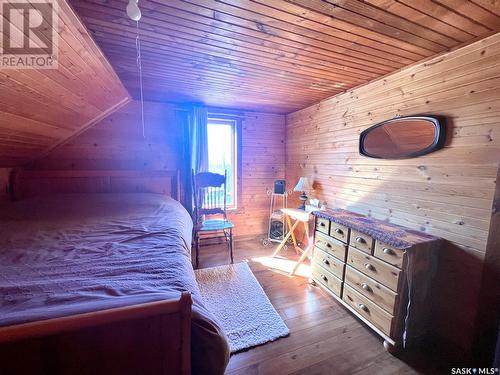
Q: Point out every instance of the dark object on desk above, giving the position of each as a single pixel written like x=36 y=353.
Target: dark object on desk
x=276 y=231
x=403 y=137
x=279 y=187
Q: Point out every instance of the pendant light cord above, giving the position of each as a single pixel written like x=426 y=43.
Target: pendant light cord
x=139 y=65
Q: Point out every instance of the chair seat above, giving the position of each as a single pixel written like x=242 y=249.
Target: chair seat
x=210 y=225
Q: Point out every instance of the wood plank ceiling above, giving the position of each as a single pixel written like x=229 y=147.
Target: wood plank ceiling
x=40 y=109
x=277 y=55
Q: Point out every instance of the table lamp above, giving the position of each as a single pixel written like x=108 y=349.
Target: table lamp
x=303 y=185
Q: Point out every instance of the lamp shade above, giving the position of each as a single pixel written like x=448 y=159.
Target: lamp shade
x=303 y=185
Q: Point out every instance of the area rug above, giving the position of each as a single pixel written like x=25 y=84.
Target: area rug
x=235 y=297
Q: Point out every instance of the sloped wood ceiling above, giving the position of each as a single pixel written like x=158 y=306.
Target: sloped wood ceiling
x=277 y=55
x=39 y=109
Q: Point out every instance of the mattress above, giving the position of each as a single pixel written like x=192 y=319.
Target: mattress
x=69 y=254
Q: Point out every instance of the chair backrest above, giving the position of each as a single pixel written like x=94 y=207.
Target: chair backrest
x=209 y=194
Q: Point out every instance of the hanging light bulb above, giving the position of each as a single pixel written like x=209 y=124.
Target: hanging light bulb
x=133 y=10
x=134 y=13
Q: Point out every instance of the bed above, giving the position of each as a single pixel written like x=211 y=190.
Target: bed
x=101 y=282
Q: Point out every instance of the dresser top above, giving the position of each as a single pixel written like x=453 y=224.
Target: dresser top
x=391 y=234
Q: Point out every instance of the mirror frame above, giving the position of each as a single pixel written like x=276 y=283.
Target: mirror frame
x=439 y=123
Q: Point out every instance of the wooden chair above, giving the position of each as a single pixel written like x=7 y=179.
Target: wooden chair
x=210 y=217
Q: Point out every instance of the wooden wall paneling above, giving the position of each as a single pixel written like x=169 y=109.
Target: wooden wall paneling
x=43 y=108
x=116 y=143
x=223 y=53
x=448 y=193
x=263 y=161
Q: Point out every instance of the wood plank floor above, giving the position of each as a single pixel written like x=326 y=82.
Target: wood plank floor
x=324 y=337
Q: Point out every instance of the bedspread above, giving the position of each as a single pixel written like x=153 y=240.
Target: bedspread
x=69 y=254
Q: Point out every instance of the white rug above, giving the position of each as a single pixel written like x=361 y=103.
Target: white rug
x=235 y=297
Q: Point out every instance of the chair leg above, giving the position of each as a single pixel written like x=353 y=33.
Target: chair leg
x=197 y=246
x=231 y=244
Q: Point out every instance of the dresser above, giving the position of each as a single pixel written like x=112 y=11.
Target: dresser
x=381 y=272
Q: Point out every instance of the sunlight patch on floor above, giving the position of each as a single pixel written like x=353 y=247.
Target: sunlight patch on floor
x=284 y=266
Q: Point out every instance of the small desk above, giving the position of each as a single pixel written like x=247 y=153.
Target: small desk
x=300 y=216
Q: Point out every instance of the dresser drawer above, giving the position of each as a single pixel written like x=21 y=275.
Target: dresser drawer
x=361 y=241
x=389 y=254
x=339 y=232
x=331 y=246
x=327 y=279
x=323 y=225
x=329 y=262
x=374 y=291
x=368 y=310
x=378 y=270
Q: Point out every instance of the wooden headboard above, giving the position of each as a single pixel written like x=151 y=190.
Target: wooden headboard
x=28 y=183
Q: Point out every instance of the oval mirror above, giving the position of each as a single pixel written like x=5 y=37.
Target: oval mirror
x=403 y=137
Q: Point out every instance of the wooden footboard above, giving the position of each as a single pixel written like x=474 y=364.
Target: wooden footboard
x=146 y=338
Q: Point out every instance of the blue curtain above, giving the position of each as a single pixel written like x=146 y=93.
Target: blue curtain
x=194 y=150
x=198 y=118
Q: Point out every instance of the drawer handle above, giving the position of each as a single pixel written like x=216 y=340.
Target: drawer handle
x=329 y=245
x=326 y=262
x=368 y=266
x=388 y=251
x=339 y=231
x=324 y=278
x=360 y=240
x=363 y=307
x=366 y=287
x=322 y=224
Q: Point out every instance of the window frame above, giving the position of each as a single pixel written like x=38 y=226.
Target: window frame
x=236 y=135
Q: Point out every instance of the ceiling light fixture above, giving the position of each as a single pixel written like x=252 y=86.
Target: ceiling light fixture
x=133 y=11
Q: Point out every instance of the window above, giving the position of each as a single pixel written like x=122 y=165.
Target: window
x=223 y=154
